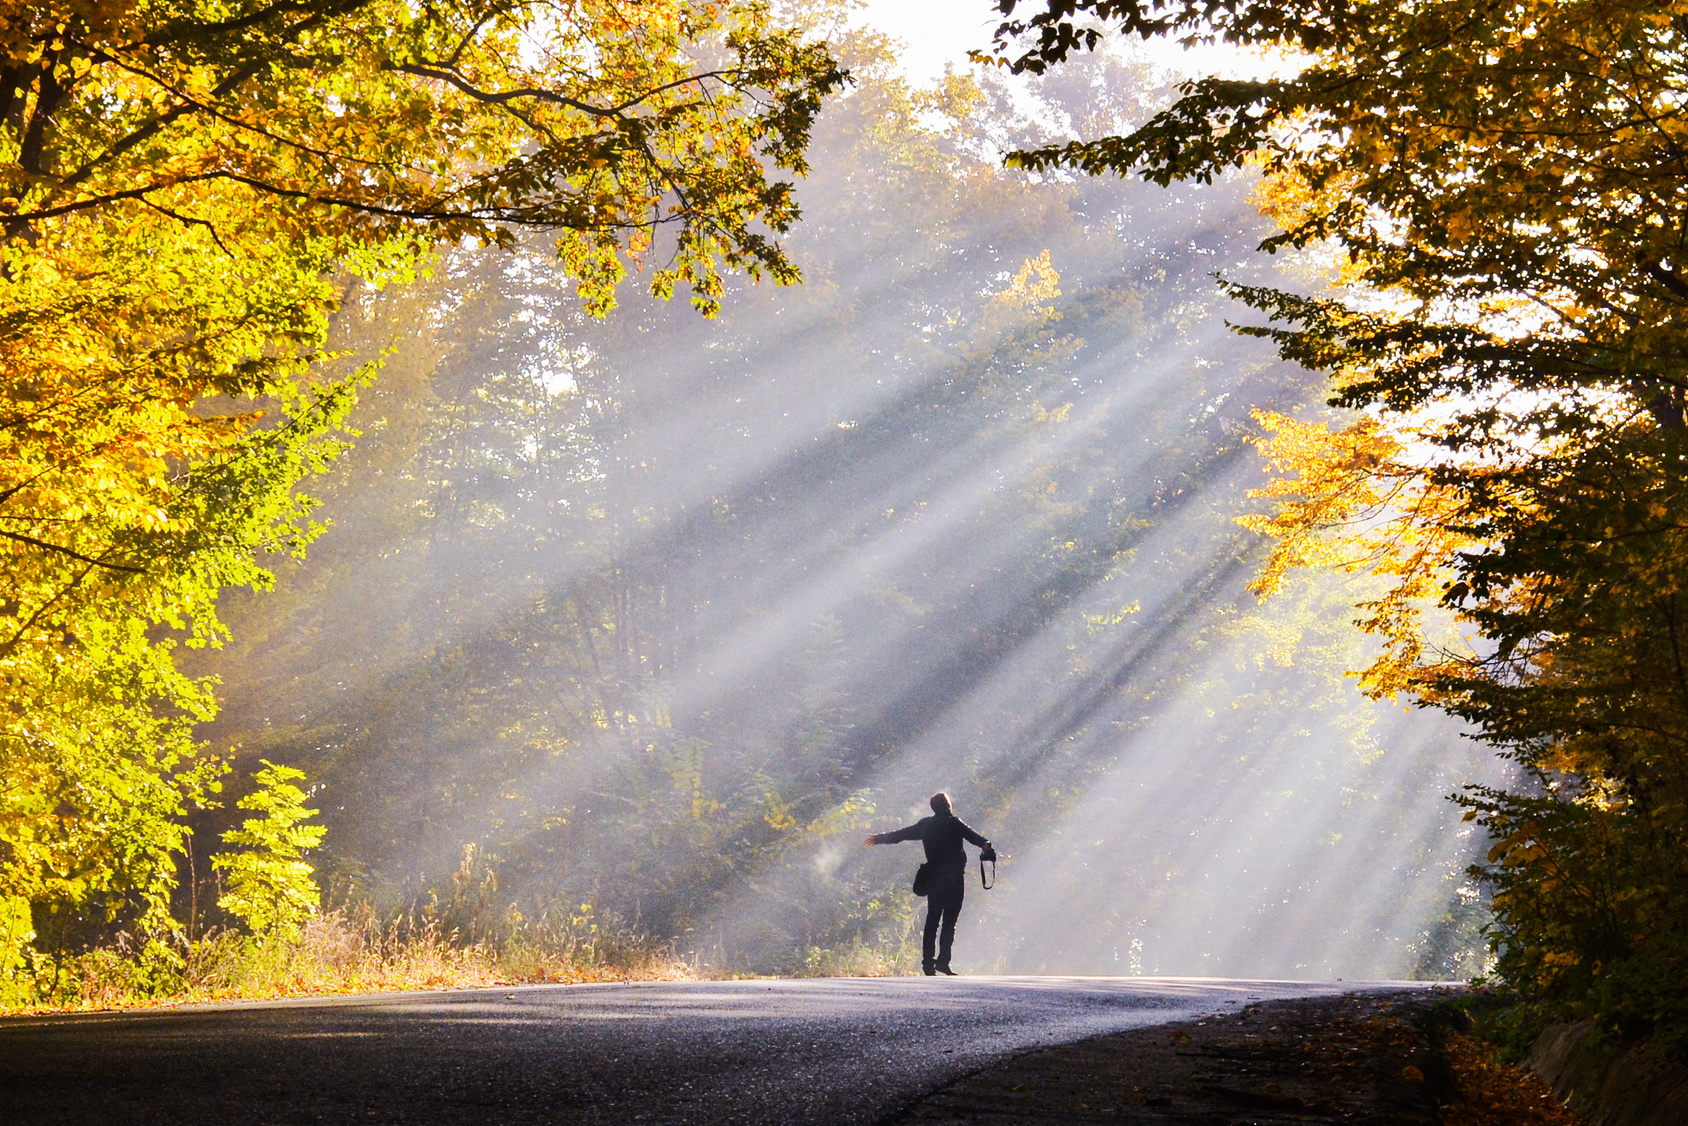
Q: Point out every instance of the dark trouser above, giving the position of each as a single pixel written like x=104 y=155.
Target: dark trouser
x=943 y=905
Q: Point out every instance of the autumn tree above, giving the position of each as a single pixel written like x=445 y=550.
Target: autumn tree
x=180 y=186
x=1503 y=189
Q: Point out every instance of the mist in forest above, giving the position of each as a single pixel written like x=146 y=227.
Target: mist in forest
x=662 y=614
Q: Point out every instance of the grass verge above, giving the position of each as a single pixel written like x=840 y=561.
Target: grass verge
x=343 y=951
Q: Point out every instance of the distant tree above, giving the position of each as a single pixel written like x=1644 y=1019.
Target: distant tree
x=1502 y=188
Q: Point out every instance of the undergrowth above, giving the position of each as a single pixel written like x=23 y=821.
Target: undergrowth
x=860 y=958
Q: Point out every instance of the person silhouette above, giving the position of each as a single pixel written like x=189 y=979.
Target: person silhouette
x=945 y=881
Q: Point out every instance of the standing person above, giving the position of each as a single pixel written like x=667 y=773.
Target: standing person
x=945 y=876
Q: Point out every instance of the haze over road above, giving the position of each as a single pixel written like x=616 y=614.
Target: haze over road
x=828 y=1051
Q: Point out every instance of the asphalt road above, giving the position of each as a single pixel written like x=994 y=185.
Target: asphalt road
x=832 y=1051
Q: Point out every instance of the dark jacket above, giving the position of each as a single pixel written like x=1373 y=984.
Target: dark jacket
x=942 y=834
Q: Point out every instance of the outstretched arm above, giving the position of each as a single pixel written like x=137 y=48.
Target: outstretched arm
x=973 y=836
x=907 y=833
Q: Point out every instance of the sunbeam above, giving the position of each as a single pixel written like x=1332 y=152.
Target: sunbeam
x=660 y=613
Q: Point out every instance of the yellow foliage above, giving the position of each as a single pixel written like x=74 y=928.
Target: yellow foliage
x=1352 y=500
x=1035 y=284
x=179 y=186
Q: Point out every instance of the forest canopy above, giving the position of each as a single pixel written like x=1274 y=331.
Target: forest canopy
x=1502 y=190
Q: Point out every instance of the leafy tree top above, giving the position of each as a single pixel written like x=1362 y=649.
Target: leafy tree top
x=1514 y=172
x=362 y=121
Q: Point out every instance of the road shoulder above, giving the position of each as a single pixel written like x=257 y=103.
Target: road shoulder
x=1355 y=1058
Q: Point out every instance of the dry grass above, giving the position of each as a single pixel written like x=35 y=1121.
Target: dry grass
x=346 y=951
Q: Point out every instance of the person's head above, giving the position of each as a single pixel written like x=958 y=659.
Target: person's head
x=941 y=803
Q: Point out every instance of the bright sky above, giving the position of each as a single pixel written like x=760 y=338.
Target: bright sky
x=935 y=31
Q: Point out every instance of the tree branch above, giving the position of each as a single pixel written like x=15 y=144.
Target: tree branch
x=77 y=555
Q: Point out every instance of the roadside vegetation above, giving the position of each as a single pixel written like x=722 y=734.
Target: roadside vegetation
x=1498 y=190
x=270 y=938
x=346 y=952
x=183 y=191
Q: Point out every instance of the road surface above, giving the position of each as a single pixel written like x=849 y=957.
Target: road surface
x=829 y=1051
